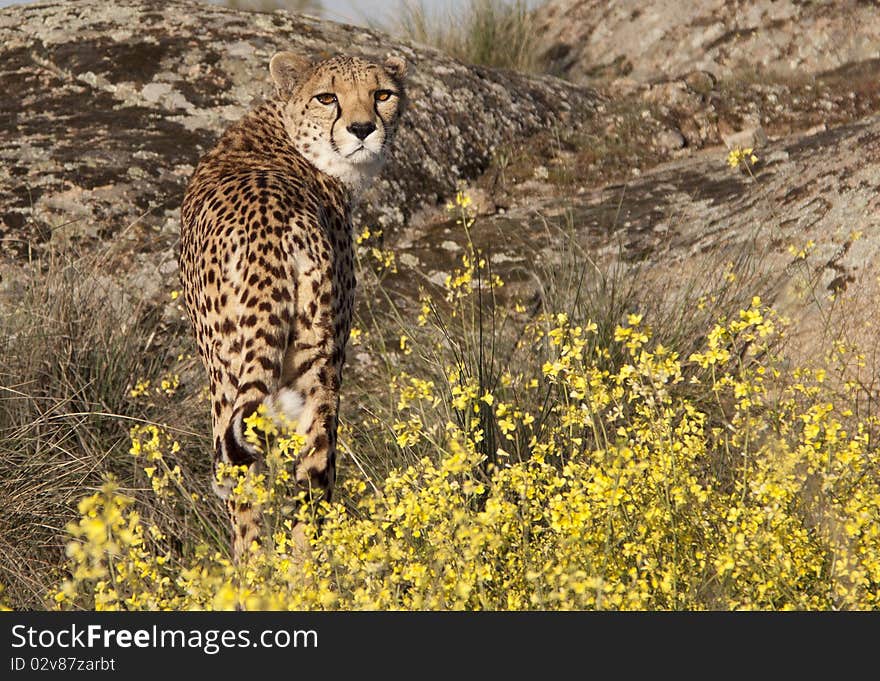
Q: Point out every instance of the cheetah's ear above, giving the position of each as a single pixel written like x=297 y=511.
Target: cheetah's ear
x=288 y=69
x=396 y=66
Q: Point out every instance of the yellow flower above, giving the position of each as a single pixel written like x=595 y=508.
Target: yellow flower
x=404 y=344
x=141 y=388
x=738 y=155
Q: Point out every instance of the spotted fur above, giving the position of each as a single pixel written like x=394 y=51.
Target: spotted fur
x=266 y=257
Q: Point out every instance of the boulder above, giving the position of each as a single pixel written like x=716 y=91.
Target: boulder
x=594 y=40
x=106 y=108
x=109 y=108
x=799 y=227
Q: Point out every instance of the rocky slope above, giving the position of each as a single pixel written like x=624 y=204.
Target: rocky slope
x=800 y=226
x=589 y=40
x=107 y=108
x=111 y=106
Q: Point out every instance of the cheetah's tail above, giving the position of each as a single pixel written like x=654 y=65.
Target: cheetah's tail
x=284 y=407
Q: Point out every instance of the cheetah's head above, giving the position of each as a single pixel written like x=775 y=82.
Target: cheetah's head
x=342 y=112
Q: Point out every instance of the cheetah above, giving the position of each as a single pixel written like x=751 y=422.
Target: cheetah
x=267 y=260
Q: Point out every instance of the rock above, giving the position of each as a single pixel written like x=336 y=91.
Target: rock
x=681 y=223
x=671 y=139
x=482 y=202
x=105 y=124
x=701 y=81
x=745 y=111
x=750 y=138
x=107 y=107
x=591 y=40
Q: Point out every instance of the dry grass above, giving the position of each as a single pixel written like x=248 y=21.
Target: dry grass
x=496 y=33
x=483 y=335
x=71 y=349
x=593 y=446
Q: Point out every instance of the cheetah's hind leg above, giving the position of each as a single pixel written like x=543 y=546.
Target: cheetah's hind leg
x=246 y=445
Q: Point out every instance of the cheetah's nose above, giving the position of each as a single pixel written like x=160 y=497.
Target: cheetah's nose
x=361 y=130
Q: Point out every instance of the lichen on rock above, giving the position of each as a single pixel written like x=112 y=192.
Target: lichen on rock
x=129 y=95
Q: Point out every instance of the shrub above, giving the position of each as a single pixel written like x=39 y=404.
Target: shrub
x=568 y=469
x=496 y=33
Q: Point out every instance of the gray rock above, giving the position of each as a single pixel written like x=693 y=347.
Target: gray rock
x=681 y=223
x=743 y=139
x=108 y=106
x=590 y=40
x=671 y=139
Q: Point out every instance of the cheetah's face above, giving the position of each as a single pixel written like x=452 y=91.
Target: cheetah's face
x=342 y=113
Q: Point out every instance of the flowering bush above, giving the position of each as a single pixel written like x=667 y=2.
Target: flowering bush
x=603 y=473
x=632 y=494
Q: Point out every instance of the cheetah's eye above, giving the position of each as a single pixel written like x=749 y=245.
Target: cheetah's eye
x=383 y=95
x=326 y=98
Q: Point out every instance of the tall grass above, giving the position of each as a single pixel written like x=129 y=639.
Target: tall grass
x=498 y=33
x=479 y=327
x=81 y=364
x=72 y=348
x=524 y=392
